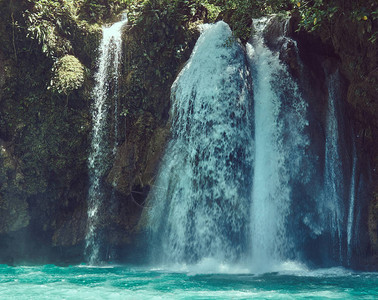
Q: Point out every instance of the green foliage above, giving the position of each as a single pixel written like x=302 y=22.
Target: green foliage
x=68 y=74
x=212 y=9
x=316 y=13
x=50 y=142
x=50 y=22
x=159 y=41
x=374 y=37
x=313 y=13
x=239 y=13
x=100 y=10
x=166 y=26
x=54 y=23
x=257 y=7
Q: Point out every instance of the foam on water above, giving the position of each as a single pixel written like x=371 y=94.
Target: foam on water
x=212 y=266
x=207 y=265
x=80 y=282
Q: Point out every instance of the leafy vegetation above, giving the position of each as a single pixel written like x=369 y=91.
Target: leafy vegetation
x=100 y=10
x=47 y=138
x=160 y=40
x=68 y=74
x=50 y=22
x=316 y=13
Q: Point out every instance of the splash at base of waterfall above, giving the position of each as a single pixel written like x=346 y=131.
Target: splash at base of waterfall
x=130 y=282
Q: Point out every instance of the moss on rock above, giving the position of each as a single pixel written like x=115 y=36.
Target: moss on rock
x=68 y=74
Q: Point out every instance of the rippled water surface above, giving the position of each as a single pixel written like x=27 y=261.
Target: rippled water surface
x=120 y=282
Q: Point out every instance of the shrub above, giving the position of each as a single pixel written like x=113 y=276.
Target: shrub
x=68 y=75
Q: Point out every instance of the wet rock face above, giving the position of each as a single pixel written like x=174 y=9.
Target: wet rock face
x=289 y=55
x=13 y=205
x=131 y=176
x=2 y=73
x=16 y=213
x=69 y=223
x=138 y=157
x=277 y=38
x=275 y=32
x=349 y=48
x=359 y=64
x=373 y=223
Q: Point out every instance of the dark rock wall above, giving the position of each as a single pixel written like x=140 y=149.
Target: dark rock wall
x=344 y=44
x=44 y=142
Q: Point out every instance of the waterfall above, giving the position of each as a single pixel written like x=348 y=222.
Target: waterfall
x=198 y=207
x=104 y=97
x=352 y=196
x=253 y=174
x=280 y=143
x=333 y=210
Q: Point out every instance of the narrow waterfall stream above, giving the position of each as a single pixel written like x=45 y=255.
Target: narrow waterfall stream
x=351 y=210
x=333 y=176
x=104 y=97
x=280 y=144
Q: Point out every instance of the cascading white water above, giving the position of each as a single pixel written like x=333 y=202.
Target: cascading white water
x=198 y=207
x=104 y=92
x=333 y=207
x=245 y=177
x=280 y=143
x=352 y=197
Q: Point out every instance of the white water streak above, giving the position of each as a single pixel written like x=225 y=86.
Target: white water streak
x=352 y=196
x=334 y=183
x=108 y=67
x=280 y=144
